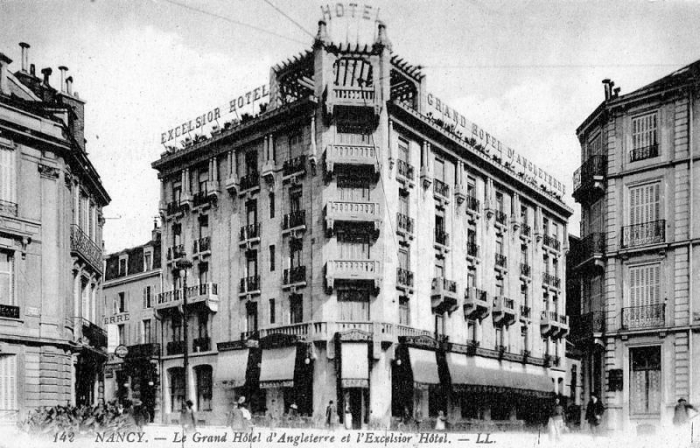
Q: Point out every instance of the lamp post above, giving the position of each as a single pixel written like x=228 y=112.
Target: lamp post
x=183 y=265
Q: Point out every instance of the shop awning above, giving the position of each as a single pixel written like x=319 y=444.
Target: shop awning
x=355 y=365
x=231 y=368
x=277 y=367
x=424 y=366
x=465 y=375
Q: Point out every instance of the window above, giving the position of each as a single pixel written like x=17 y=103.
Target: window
x=147 y=297
x=471 y=278
x=203 y=273
x=645 y=380
x=122 y=267
x=404 y=311
x=644 y=203
x=296 y=309
x=353 y=135
x=524 y=336
x=8 y=189
x=545 y=345
x=295 y=200
x=295 y=254
x=202 y=180
x=524 y=294
x=296 y=145
x=272 y=258
x=403 y=150
x=524 y=254
x=403 y=258
x=7 y=279
x=644 y=285
x=177 y=234
x=403 y=203
x=203 y=226
x=499 y=337
x=471 y=187
x=147 y=261
x=203 y=375
x=471 y=330
x=8 y=381
x=251 y=316
x=440 y=170
x=146 y=333
x=176 y=328
x=273 y=311
x=272 y=205
x=353 y=248
x=644 y=137
x=594 y=147
x=499 y=201
x=352 y=188
x=251 y=212
x=353 y=305
x=524 y=214
x=177 y=192
x=203 y=324
x=251 y=162
x=121 y=331
x=500 y=291
x=545 y=226
x=176 y=375
x=252 y=263
x=121 y=302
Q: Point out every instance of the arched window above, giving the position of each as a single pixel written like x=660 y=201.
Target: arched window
x=203 y=375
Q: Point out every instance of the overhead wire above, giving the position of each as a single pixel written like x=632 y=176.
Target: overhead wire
x=290 y=19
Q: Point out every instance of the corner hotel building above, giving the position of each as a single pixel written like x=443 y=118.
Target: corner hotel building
x=349 y=246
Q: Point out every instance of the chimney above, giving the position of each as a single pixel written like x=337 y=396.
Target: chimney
x=4 y=84
x=25 y=55
x=606 y=83
x=32 y=70
x=69 y=85
x=47 y=73
x=616 y=92
x=63 y=69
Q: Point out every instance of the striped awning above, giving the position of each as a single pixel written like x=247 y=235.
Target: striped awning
x=277 y=367
x=424 y=367
x=231 y=368
x=355 y=364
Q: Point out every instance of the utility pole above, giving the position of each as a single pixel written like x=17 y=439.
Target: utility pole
x=183 y=265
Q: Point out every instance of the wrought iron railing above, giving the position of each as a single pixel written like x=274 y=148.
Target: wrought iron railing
x=404 y=223
x=441 y=188
x=295 y=275
x=202 y=344
x=551 y=280
x=294 y=219
x=501 y=217
x=590 y=245
x=651 y=232
x=202 y=244
x=501 y=260
x=472 y=203
x=406 y=169
x=442 y=237
x=404 y=277
x=646 y=152
x=175 y=348
x=525 y=269
x=83 y=245
x=250 y=231
x=175 y=252
x=551 y=241
x=595 y=166
x=525 y=311
x=294 y=165
x=649 y=316
x=250 y=180
x=251 y=283
x=473 y=250
x=525 y=229
x=447 y=285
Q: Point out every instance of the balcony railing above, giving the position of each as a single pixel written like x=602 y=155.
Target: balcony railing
x=586 y=325
x=651 y=232
x=473 y=203
x=147 y=350
x=404 y=277
x=82 y=244
x=172 y=208
x=646 y=152
x=525 y=229
x=201 y=198
x=590 y=246
x=359 y=96
x=352 y=211
x=406 y=170
x=551 y=241
x=175 y=252
x=250 y=284
x=525 y=269
x=95 y=334
x=472 y=250
x=476 y=304
x=202 y=344
x=250 y=231
x=296 y=165
x=351 y=155
x=525 y=311
x=595 y=166
x=501 y=260
x=294 y=219
x=442 y=237
x=501 y=217
x=202 y=244
x=404 y=223
x=649 y=316
x=195 y=293
x=441 y=188
x=551 y=280
x=443 y=295
x=175 y=348
x=250 y=181
x=295 y=275
x=8 y=208
x=444 y=285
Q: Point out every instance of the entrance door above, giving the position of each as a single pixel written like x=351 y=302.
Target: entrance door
x=355 y=401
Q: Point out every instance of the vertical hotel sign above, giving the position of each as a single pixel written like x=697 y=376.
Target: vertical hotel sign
x=450 y=116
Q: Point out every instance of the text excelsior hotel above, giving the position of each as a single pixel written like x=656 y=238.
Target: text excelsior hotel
x=353 y=243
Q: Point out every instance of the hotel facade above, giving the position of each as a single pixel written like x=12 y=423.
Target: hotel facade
x=638 y=256
x=52 y=347
x=357 y=241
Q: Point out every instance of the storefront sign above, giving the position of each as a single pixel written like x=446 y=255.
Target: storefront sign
x=234 y=106
x=117 y=318
x=502 y=153
x=9 y=311
x=121 y=351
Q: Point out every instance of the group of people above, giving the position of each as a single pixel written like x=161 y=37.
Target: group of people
x=332 y=416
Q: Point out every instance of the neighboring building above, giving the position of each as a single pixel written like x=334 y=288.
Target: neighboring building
x=52 y=348
x=348 y=245
x=132 y=281
x=576 y=339
x=638 y=255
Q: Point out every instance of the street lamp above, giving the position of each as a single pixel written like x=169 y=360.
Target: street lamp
x=183 y=265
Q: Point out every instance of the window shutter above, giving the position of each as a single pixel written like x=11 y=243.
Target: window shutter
x=7 y=175
x=145 y=297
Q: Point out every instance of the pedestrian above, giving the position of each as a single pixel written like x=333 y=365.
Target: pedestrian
x=680 y=412
x=418 y=419
x=594 y=413
x=187 y=417
x=235 y=418
x=440 y=421
x=556 y=421
x=348 y=417
x=331 y=414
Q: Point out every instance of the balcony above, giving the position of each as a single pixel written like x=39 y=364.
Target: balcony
x=173 y=208
x=363 y=156
x=249 y=234
x=295 y=166
x=94 y=335
x=647 y=152
x=206 y=293
x=202 y=247
x=525 y=312
x=501 y=261
x=404 y=279
x=175 y=252
x=175 y=348
x=249 y=182
x=525 y=270
x=553 y=324
x=501 y=217
x=353 y=212
x=590 y=250
x=202 y=199
x=149 y=350
x=473 y=250
x=295 y=276
x=589 y=179
x=353 y=270
x=441 y=191
x=442 y=238
x=586 y=326
x=232 y=183
x=473 y=204
x=443 y=295
x=404 y=225
x=552 y=242
x=294 y=222
x=250 y=285
x=268 y=170
x=83 y=246
x=406 y=173
x=9 y=311
x=551 y=280
x=476 y=303
x=640 y=317
x=503 y=311
x=212 y=189
x=202 y=344
x=342 y=96
x=8 y=208
x=652 y=232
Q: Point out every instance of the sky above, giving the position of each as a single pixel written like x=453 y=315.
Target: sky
x=527 y=71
